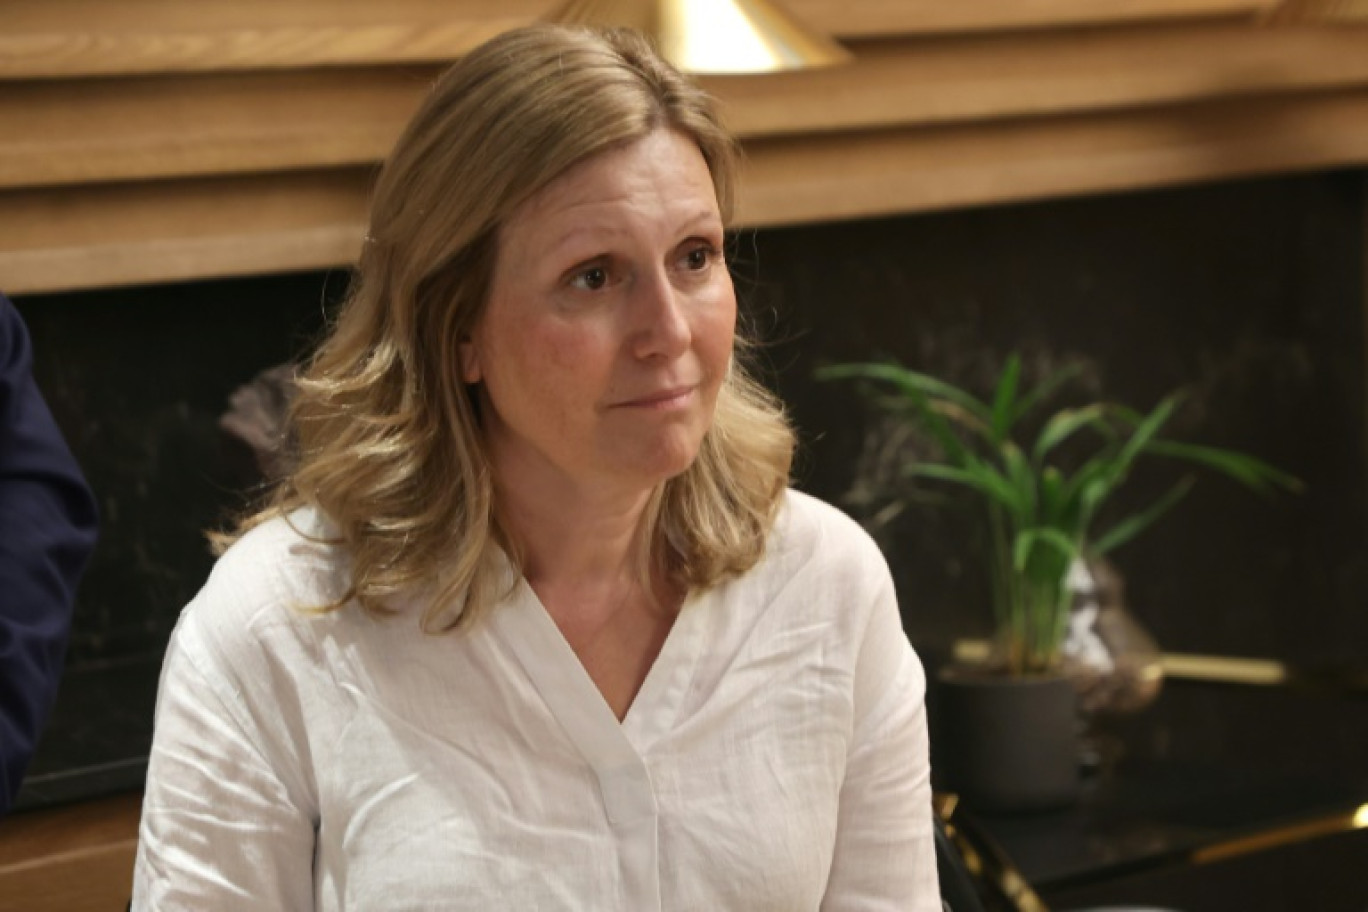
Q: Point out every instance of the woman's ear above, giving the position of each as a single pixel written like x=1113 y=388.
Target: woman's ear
x=469 y=356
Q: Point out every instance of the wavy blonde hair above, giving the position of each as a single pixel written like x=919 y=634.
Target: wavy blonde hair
x=389 y=442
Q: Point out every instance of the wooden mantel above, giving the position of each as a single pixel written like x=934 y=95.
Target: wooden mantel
x=155 y=140
x=77 y=858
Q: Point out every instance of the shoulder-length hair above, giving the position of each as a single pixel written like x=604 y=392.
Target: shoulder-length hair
x=389 y=446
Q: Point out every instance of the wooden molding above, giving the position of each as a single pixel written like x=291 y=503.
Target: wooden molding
x=977 y=78
x=63 y=132
x=241 y=137
x=163 y=231
x=68 y=38
x=870 y=18
x=70 y=859
x=54 y=239
x=85 y=131
x=885 y=173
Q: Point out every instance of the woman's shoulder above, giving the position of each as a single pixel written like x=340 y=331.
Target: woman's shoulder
x=268 y=585
x=816 y=530
x=821 y=572
x=297 y=554
x=814 y=546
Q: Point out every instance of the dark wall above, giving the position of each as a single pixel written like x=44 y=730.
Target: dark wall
x=1248 y=294
x=138 y=379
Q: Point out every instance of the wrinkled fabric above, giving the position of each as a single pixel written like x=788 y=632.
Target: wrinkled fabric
x=775 y=757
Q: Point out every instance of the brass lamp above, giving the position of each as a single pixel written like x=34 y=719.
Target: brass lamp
x=714 y=36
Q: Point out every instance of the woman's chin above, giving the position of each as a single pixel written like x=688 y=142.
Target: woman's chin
x=658 y=464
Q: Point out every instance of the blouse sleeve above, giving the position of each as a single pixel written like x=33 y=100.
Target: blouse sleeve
x=885 y=851
x=222 y=827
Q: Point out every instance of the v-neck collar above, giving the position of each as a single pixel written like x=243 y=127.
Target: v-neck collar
x=615 y=750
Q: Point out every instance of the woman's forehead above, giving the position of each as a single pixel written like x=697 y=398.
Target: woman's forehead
x=662 y=176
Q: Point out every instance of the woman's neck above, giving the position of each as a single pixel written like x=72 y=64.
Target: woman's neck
x=574 y=536
x=581 y=556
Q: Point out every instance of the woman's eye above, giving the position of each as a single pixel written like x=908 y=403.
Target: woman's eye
x=591 y=279
x=699 y=258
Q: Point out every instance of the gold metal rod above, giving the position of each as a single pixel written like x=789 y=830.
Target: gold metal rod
x=1284 y=835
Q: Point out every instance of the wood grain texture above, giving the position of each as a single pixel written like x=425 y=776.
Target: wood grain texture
x=64 y=38
x=124 y=234
x=890 y=172
x=926 y=81
x=869 y=18
x=73 y=131
x=54 y=239
x=71 y=859
x=47 y=38
x=188 y=172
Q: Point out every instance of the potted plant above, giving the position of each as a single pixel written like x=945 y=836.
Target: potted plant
x=1042 y=516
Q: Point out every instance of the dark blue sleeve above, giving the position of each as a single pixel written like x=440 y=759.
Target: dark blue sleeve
x=47 y=531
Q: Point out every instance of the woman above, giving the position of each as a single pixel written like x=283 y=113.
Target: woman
x=534 y=623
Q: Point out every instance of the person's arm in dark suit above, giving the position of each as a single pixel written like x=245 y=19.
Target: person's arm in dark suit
x=47 y=531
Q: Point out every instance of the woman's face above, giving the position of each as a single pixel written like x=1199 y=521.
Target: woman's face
x=609 y=323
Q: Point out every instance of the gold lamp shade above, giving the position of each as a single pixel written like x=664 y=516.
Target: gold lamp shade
x=1329 y=12
x=714 y=36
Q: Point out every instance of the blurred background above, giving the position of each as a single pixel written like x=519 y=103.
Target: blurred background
x=1169 y=191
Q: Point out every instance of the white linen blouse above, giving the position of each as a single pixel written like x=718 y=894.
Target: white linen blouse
x=774 y=759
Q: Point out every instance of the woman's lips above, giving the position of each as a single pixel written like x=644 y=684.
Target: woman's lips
x=664 y=400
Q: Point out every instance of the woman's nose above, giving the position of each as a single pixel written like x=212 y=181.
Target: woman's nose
x=661 y=325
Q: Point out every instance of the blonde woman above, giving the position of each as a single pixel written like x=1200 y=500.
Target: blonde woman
x=534 y=622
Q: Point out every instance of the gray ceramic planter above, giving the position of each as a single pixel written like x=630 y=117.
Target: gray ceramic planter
x=1007 y=744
